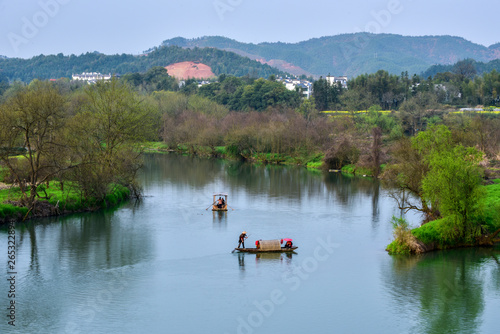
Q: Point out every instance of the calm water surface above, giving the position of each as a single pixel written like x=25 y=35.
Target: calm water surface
x=164 y=265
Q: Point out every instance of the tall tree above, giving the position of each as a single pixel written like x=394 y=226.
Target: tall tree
x=113 y=122
x=31 y=124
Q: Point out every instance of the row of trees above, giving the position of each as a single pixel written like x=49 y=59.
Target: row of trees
x=84 y=134
x=84 y=139
x=58 y=66
x=391 y=92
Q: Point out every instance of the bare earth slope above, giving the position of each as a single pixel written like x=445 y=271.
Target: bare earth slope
x=189 y=69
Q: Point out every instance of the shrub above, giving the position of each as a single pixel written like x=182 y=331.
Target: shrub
x=404 y=241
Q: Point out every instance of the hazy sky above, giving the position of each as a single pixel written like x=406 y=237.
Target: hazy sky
x=32 y=27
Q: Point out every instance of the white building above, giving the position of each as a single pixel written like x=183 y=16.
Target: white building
x=333 y=80
x=92 y=77
x=292 y=84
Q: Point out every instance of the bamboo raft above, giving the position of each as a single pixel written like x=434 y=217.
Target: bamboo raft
x=258 y=250
x=268 y=246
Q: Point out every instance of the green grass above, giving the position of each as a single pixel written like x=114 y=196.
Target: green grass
x=155 y=146
x=441 y=231
x=396 y=247
x=431 y=232
x=68 y=200
x=3 y=173
x=310 y=160
x=220 y=150
x=353 y=169
x=345 y=112
x=492 y=206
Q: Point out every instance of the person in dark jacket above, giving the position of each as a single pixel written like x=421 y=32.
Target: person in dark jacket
x=241 y=240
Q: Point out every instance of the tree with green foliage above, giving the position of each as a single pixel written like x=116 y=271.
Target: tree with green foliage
x=31 y=125
x=453 y=181
x=445 y=176
x=107 y=135
x=154 y=79
x=308 y=108
x=4 y=83
x=327 y=96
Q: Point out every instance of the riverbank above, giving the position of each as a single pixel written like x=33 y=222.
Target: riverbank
x=307 y=159
x=441 y=233
x=60 y=201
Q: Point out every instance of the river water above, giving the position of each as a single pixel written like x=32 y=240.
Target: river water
x=164 y=264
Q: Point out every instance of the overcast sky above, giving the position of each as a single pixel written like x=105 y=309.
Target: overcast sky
x=33 y=27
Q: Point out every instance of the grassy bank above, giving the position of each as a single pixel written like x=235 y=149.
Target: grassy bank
x=439 y=234
x=60 y=201
x=307 y=159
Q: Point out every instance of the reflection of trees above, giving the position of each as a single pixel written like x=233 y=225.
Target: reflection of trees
x=83 y=252
x=189 y=170
x=347 y=188
x=84 y=243
x=448 y=287
x=284 y=182
x=27 y=231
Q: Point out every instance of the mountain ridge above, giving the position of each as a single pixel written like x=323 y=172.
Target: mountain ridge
x=354 y=53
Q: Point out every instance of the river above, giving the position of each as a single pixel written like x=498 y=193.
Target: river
x=164 y=264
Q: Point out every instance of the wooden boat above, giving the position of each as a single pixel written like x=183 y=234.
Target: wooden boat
x=216 y=206
x=269 y=246
x=258 y=250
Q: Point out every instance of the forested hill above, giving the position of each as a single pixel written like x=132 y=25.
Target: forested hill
x=354 y=54
x=478 y=67
x=58 y=66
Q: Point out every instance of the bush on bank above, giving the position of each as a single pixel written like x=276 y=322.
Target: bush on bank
x=441 y=233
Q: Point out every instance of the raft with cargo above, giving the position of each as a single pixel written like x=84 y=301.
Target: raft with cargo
x=270 y=246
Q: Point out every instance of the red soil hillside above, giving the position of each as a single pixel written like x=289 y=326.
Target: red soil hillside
x=189 y=69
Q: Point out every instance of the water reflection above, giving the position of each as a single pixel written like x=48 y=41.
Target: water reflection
x=275 y=257
x=219 y=219
x=265 y=257
x=84 y=243
x=241 y=260
x=447 y=287
x=288 y=183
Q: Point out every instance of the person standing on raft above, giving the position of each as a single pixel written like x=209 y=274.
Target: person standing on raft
x=241 y=240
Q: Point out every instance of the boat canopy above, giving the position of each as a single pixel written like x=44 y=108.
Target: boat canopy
x=270 y=244
x=217 y=195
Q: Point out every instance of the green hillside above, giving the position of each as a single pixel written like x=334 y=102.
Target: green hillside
x=480 y=67
x=354 y=54
x=347 y=54
x=57 y=66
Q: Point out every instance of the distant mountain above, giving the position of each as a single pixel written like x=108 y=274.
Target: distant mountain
x=58 y=66
x=353 y=54
x=481 y=67
x=347 y=54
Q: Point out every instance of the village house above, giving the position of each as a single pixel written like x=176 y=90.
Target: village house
x=92 y=77
x=291 y=84
x=334 y=80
